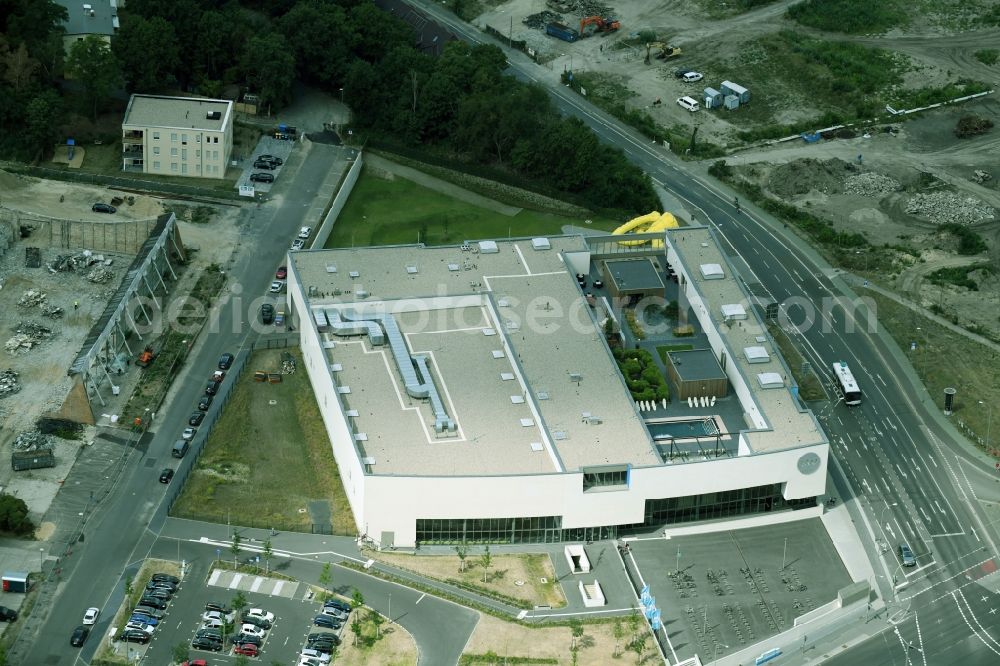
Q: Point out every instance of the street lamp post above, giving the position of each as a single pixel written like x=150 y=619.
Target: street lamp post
x=989 y=421
x=715 y=657
x=41 y=558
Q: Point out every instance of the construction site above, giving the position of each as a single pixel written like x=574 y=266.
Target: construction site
x=62 y=271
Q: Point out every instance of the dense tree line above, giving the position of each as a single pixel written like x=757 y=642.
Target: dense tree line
x=459 y=103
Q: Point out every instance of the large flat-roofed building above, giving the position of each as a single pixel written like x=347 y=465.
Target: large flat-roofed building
x=177 y=136
x=469 y=395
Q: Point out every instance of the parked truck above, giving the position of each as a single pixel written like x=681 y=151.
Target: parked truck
x=563 y=32
x=39 y=459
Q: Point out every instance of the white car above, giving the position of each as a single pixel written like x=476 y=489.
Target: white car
x=688 y=103
x=90 y=617
x=277 y=286
x=305 y=233
x=315 y=655
x=693 y=77
x=252 y=630
x=216 y=615
x=148 y=628
x=188 y=433
x=213 y=623
x=334 y=612
x=260 y=613
x=298 y=244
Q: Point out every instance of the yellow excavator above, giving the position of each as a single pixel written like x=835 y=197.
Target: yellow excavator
x=665 y=51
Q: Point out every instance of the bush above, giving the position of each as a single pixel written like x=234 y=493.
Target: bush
x=969 y=126
x=14 y=516
x=988 y=56
x=850 y=16
x=969 y=242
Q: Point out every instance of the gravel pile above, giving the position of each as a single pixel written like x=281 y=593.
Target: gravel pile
x=870 y=184
x=27 y=335
x=9 y=384
x=541 y=19
x=74 y=262
x=946 y=207
x=100 y=275
x=32 y=440
x=52 y=311
x=287 y=364
x=31 y=298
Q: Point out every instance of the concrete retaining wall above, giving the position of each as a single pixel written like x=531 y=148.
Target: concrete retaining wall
x=338 y=202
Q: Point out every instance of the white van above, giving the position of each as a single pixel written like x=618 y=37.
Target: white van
x=688 y=103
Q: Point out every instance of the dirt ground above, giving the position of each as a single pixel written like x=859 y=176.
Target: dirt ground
x=396 y=647
x=518 y=576
x=597 y=646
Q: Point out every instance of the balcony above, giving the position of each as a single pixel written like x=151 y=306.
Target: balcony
x=132 y=150
x=132 y=137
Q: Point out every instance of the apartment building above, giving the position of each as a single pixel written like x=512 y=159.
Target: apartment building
x=97 y=17
x=177 y=136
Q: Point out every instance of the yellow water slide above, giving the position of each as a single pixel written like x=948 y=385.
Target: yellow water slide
x=646 y=224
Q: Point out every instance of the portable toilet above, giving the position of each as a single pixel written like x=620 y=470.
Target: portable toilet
x=16 y=582
x=713 y=98
x=730 y=88
x=70 y=149
x=731 y=102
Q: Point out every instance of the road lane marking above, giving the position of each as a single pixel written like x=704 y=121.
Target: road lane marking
x=421 y=598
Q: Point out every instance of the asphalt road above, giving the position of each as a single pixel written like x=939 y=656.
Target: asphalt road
x=909 y=474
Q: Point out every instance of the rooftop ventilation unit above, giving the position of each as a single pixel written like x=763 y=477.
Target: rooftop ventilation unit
x=488 y=247
x=543 y=395
x=537 y=446
x=498 y=353
x=527 y=423
x=453 y=267
x=517 y=400
x=489 y=331
x=360 y=437
x=559 y=435
x=506 y=376
x=712 y=271
x=412 y=270
x=541 y=244
x=214 y=115
x=330 y=268
x=734 y=311
x=353 y=413
x=354 y=274
x=575 y=377
x=756 y=355
x=770 y=380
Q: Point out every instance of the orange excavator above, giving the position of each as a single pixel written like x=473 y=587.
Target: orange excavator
x=591 y=24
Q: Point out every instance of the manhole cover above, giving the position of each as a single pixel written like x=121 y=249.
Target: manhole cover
x=519 y=583
x=272 y=402
x=302 y=510
x=544 y=580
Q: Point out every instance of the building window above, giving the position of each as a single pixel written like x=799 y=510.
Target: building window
x=184 y=153
x=197 y=138
x=184 y=168
x=173 y=136
x=544 y=529
x=184 y=139
x=156 y=150
x=173 y=152
x=156 y=136
x=173 y=166
x=215 y=154
x=197 y=153
x=609 y=477
x=156 y=166
x=215 y=139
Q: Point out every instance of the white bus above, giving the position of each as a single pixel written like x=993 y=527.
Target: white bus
x=846 y=383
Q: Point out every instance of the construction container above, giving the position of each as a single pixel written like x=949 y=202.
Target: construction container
x=731 y=102
x=16 y=582
x=713 y=98
x=38 y=459
x=730 y=88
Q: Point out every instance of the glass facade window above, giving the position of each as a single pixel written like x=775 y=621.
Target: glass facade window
x=538 y=529
x=605 y=478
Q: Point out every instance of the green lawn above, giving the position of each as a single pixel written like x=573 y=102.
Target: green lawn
x=264 y=462
x=394 y=212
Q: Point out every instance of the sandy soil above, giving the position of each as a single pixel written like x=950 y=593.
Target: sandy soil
x=69 y=201
x=514 y=640
x=395 y=648
x=503 y=576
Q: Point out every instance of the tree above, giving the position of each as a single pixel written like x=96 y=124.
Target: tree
x=485 y=560
x=267 y=554
x=376 y=619
x=235 y=547
x=356 y=630
x=267 y=65
x=19 y=66
x=96 y=68
x=242 y=660
x=576 y=627
x=639 y=647
x=320 y=36
x=633 y=622
x=139 y=38
x=129 y=588
x=618 y=630
x=14 y=516
x=39 y=25
x=357 y=599
x=43 y=116
x=325 y=577
x=239 y=602
x=462 y=551
x=181 y=652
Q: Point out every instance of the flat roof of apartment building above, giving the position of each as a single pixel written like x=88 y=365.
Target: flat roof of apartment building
x=196 y=113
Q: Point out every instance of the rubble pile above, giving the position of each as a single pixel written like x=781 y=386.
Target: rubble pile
x=946 y=207
x=31 y=298
x=981 y=176
x=287 y=364
x=581 y=7
x=9 y=384
x=75 y=262
x=52 y=311
x=870 y=184
x=100 y=275
x=32 y=440
x=27 y=335
x=541 y=19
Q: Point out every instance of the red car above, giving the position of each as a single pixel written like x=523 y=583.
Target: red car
x=248 y=649
x=195 y=662
x=281 y=273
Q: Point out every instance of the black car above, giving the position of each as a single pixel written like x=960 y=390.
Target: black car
x=103 y=208
x=167 y=577
x=326 y=621
x=212 y=634
x=195 y=419
x=271 y=158
x=212 y=388
x=264 y=164
x=134 y=636
x=206 y=644
x=205 y=403
x=262 y=177
x=225 y=361
x=155 y=602
x=256 y=621
x=323 y=639
x=79 y=636
x=339 y=605
x=161 y=584
x=166 y=475
x=267 y=313
x=159 y=593
x=243 y=639
x=217 y=607
x=679 y=73
x=7 y=614
x=147 y=610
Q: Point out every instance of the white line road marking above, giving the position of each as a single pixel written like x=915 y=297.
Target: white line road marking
x=901 y=472
x=975 y=534
x=914 y=463
x=888 y=527
x=927 y=518
x=920 y=639
x=421 y=598
x=938 y=506
x=879 y=377
x=958 y=603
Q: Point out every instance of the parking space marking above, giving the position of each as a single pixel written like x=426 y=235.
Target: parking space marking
x=256 y=584
x=277 y=587
x=235 y=582
x=215 y=576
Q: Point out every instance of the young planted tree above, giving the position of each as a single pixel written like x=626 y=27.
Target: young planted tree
x=639 y=647
x=618 y=630
x=356 y=630
x=239 y=602
x=267 y=554
x=633 y=623
x=129 y=588
x=357 y=599
x=235 y=547
x=576 y=627
x=378 y=621
x=180 y=652
x=325 y=577
x=485 y=560
x=462 y=551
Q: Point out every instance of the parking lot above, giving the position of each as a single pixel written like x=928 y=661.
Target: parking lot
x=288 y=601
x=731 y=590
x=267 y=145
